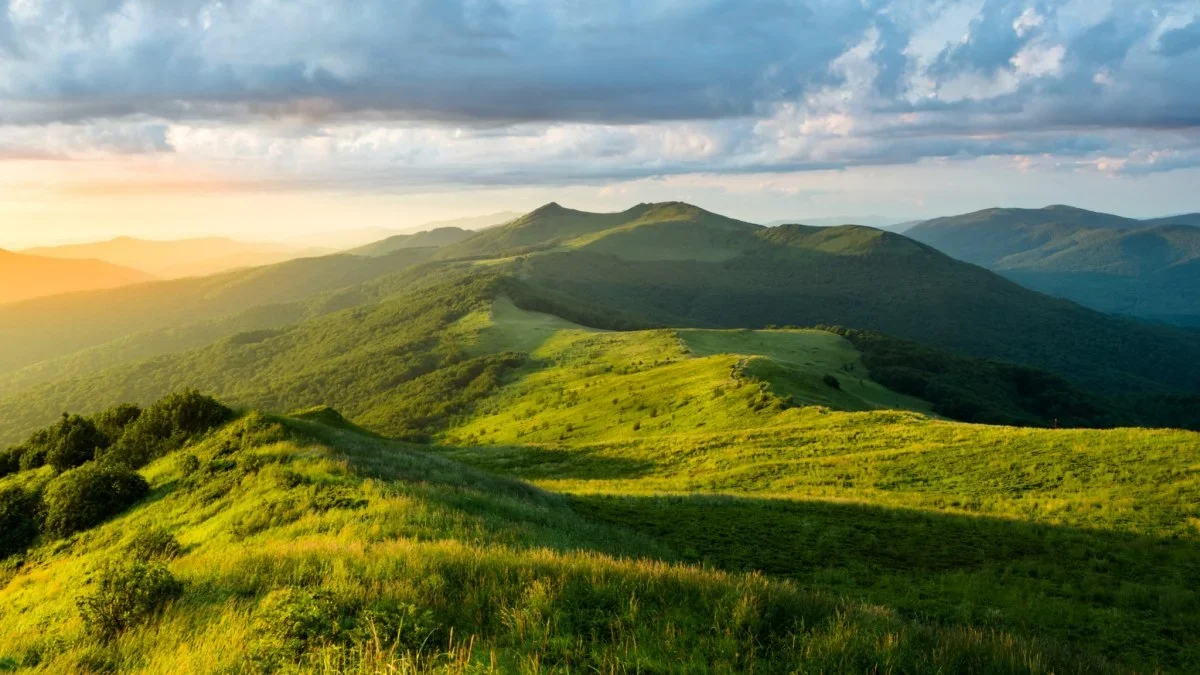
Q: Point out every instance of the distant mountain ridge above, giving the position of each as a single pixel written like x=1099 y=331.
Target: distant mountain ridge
x=172 y=259
x=435 y=238
x=24 y=276
x=1147 y=268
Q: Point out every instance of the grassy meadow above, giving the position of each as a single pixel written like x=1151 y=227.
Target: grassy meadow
x=304 y=544
x=670 y=500
x=1089 y=536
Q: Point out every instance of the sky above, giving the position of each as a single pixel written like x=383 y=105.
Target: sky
x=269 y=119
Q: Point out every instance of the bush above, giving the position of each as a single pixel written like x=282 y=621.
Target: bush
x=154 y=543
x=127 y=593
x=289 y=622
x=187 y=464
x=32 y=456
x=831 y=382
x=168 y=425
x=19 y=515
x=114 y=421
x=10 y=460
x=72 y=442
x=89 y=495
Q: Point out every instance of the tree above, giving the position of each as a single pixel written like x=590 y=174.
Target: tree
x=73 y=441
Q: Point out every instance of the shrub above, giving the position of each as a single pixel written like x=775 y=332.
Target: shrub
x=19 y=515
x=831 y=382
x=10 y=460
x=87 y=496
x=154 y=543
x=114 y=421
x=32 y=456
x=73 y=441
x=187 y=464
x=127 y=593
x=168 y=425
x=288 y=623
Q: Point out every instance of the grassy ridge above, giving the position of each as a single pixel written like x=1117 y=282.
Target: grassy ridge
x=316 y=547
x=1085 y=536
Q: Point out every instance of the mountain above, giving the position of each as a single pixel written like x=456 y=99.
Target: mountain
x=349 y=238
x=1192 y=219
x=1141 y=268
x=460 y=463
x=443 y=236
x=732 y=274
x=179 y=258
x=24 y=276
x=149 y=319
x=880 y=222
x=654 y=265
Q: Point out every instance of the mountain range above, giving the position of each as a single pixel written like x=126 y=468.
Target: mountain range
x=24 y=276
x=179 y=258
x=653 y=265
x=658 y=439
x=1145 y=268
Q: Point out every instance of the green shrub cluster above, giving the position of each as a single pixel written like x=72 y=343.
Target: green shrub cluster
x=125 y=434
x=292 y=622
x=96 y=459
x=20 y=515
x=167 y=425
x=978 y=390
x=127 y=593
x=88 y=495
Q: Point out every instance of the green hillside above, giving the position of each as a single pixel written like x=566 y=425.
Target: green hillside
x=442 y=236
x=420 y=346
x=1148 y=269
x=679 y=474
x=162 y=317
x=868 y=279
x=302 y=543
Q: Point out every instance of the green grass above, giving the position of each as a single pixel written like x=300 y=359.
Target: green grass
x=796 y=363
x=485 y=574
x=1088 y=537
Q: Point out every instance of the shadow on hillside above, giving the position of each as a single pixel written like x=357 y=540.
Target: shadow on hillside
x=1132 y=598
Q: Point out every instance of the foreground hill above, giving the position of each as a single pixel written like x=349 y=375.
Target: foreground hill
x=24 y=276
x=1143 y=268
x=812 y=540
x=178 y=258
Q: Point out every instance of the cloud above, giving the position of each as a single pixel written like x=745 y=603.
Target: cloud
x=375 y=94
x=1180 y=40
